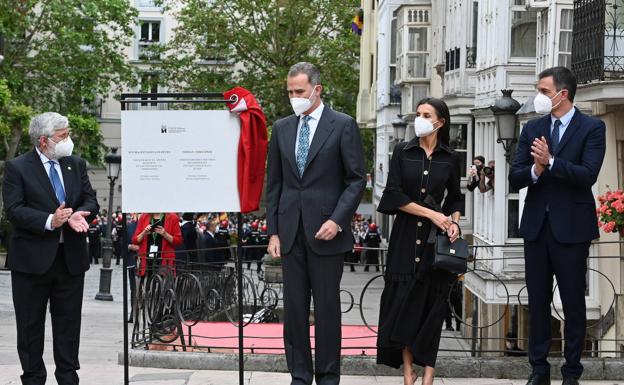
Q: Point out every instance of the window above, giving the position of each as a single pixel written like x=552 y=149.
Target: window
x=412 y=94
x=543 y=47
x=513 y=218
x=523 y=30
x=149 y=84
x=458 y=141
x=146 y=3
x=417 y=52
x=565 y=38
x=393 y=41
x=393 y=50
x=149 y=36
x=419 y=92
x=620 y=162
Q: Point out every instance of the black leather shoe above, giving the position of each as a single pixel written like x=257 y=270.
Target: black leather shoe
x=570 y=381
x=538 y=379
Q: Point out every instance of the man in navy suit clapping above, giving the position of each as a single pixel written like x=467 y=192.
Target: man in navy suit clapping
x=558 y=158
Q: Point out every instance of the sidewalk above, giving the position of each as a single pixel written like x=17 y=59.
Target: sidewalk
x=94 y=374
x=102 y=339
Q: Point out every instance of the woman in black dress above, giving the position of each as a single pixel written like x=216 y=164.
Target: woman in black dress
x=423 y=190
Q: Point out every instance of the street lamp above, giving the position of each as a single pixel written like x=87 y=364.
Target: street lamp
x=400 y=125
x=504 y=110
x=113 y=165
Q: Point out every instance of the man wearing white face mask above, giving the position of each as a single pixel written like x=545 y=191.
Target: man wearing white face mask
x=558 y=158
x=315 y=182
x=48 y=199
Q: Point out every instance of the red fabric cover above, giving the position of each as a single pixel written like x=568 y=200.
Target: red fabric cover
x=172 y=226
x=252 y=147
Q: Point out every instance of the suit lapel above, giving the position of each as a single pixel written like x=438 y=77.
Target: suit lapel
x=574 y=125
x=323 y=130
x=545 y=130
x=290 y=136
x=68 y=179
x=41 y=176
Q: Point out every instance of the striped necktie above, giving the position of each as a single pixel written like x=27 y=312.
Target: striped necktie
x=56 y=183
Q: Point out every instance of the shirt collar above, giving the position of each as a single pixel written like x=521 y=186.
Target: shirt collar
x=44 y=159
x=316 y=114
x=415 y=142
x=565 y=119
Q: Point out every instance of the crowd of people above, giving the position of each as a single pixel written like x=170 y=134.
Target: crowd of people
x=367 y=241
x=205 y=238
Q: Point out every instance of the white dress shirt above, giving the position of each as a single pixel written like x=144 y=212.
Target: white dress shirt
x=565 y=122
x=312 y=123
x=57 y=167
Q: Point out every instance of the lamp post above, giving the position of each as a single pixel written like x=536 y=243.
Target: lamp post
x=113 y=165
x=400 y=125
x=504 y=110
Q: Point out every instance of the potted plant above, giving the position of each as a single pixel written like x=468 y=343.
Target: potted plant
x=611 y=212
x=272 y=269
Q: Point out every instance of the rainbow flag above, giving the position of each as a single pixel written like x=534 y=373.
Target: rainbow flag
x=358 y=22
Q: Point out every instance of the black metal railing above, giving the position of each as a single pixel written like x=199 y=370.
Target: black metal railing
x=170 y=303
x=598 y=35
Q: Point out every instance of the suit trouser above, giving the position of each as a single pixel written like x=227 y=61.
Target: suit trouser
x=30 y=298
x=308 y=273
x=568 y=262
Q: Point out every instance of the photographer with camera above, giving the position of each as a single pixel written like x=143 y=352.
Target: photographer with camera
x=157 y=236
x=474 y=173
x=487 y=172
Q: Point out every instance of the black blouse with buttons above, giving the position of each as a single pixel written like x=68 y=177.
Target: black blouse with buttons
x=433 y=182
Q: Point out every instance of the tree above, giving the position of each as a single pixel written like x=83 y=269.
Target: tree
x=60 y=56
x=253 y=43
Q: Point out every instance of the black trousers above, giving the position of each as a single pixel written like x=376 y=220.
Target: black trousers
x=306 y=275
x=31 y=294
x=544 y=258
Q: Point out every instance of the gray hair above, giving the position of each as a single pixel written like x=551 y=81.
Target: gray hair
x=45 y=125
x=314 y=75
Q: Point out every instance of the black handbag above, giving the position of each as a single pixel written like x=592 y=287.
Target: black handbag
x=451 y=257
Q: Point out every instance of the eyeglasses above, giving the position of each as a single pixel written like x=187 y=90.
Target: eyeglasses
x=61 y=139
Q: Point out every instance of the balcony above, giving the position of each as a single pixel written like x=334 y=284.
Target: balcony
x=598 y=35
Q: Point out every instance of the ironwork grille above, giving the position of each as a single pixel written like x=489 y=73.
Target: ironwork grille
x=588 y=50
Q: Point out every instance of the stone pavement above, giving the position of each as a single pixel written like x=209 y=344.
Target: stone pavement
x=94 y=374
x=102 y=340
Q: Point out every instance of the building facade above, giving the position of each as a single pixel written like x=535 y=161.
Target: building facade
x=474 y=49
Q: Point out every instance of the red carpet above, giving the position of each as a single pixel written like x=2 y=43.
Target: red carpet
x=267 y=338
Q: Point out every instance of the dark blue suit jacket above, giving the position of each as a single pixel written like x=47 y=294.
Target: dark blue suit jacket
x=566 y=188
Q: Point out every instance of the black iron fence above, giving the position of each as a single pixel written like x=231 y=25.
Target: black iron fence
x=173 y=307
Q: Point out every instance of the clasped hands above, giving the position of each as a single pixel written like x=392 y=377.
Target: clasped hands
x=76 y=220
x=541 y=155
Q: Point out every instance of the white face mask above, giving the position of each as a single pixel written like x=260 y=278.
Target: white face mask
x=61 y=149
x=424 y=127
x=543 y=104
x=301 y=105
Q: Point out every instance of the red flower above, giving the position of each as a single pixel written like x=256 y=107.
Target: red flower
x=609 y=227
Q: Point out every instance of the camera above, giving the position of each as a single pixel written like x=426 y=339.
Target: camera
x=488 y=171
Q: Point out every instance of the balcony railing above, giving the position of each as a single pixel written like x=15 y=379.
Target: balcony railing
x=598 y=50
